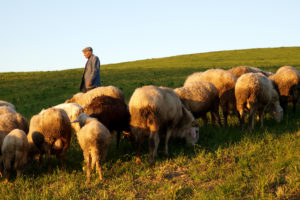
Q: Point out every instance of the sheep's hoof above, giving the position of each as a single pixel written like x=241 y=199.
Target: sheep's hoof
x=138 y=160
x=166 y=154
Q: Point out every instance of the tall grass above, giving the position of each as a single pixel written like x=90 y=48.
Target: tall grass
x=225 y=164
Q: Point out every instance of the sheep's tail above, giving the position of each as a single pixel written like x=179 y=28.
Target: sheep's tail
x=151 y=117
x=38 y=139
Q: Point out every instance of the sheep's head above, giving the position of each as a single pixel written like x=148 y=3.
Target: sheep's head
x=81 y=119
x=278 y=113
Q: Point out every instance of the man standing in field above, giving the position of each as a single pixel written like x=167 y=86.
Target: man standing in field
x=91 y=74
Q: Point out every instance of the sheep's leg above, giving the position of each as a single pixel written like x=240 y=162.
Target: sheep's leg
x=99 y=170
x=261 y=115
x=225 y=115
x=216 y=118
x=118 y=138
x=205 y=120
x=49 y=160
x=139 y=142
x=168 y=135
x=153 y=145
x=294 y=105
x=87 y=158
x=251 y=119
x=7 y=168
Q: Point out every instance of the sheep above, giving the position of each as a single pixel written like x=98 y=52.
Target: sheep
x=286 y=67
x=287 y=81
x=224 y=81
x=10 y=121
x=256 y=93
x=14 y=151
x=84 y=99
x=155 y=111
x=200 y=98
x=73 y=110
x=5 y=103
x=111 y=112
x=94 y=139
x=240 y=70
x=7 y=109
x=50 y=133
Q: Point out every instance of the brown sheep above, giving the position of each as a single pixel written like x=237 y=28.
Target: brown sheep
x=200 y=98
x=255 y=93
x=10 y=121
x=157 y=111
x=224 y=81
x=288 y=83
x=112 y=112
x=50 y=133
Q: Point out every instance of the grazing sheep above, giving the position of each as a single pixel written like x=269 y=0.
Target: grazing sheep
x=283 y=68
x=157 y=111
x=255 y=93
x=73 y=110
x=10 y=121
x=84 y=99
x=14 y=151
x=5 y=103
x=288 y=83
x=111 y=112
x=224 y=81
x=240 y=70
x=94 y=139
x=50 y=133
x=7 y=109
x=200 y=98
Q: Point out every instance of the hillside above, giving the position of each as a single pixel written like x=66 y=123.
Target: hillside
x=225 y=164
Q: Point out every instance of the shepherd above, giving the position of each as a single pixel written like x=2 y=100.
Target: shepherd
x=91 y=74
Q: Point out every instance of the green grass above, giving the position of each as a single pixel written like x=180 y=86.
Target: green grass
x=225 y=164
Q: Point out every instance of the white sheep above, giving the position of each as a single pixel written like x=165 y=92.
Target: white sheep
x=14 y=152
x=5 y=103
x=155 y=111
x=50 y=133
x=94 y=139
x=7 y=109
x=73 y=110
x=84 y=99
x=224 y=81
x=255 y=93
x=287 y=80
x=240 y=70
x=200 y=98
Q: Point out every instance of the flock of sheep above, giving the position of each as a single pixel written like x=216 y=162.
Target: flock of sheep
x=153 y=112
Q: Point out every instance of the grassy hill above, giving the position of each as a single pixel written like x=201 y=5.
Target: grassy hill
x=225 y=164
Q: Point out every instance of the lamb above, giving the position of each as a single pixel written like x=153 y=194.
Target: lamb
x=287 y=80
x=94 y=139
x=84 y=99
x=10 y=121
x=155 y=111
x=5 y=103
x=50 y=133
x=200 y=98
x=14 y=151
x=224 y=81
x=73 y=110
x=240 y=70
x=255 y=93
x=111 y=112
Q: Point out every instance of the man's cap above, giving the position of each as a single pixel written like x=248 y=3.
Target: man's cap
x=87 y=49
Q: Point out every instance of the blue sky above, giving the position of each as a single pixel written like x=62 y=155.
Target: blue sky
x=49 y=35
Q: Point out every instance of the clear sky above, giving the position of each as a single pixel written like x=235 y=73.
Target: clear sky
x=39 y=35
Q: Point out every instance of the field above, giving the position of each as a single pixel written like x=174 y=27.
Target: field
x=226 y=163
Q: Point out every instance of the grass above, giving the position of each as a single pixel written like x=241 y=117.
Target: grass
x=225 y=164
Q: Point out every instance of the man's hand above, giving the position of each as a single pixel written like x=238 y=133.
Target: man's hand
x=89 y=84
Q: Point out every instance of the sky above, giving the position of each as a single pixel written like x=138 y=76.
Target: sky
x=49 y=35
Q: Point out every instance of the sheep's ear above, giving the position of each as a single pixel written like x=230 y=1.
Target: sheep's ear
x=75 y=121
x=195 y=124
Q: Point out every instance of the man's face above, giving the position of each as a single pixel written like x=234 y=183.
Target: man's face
x=87 y=54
